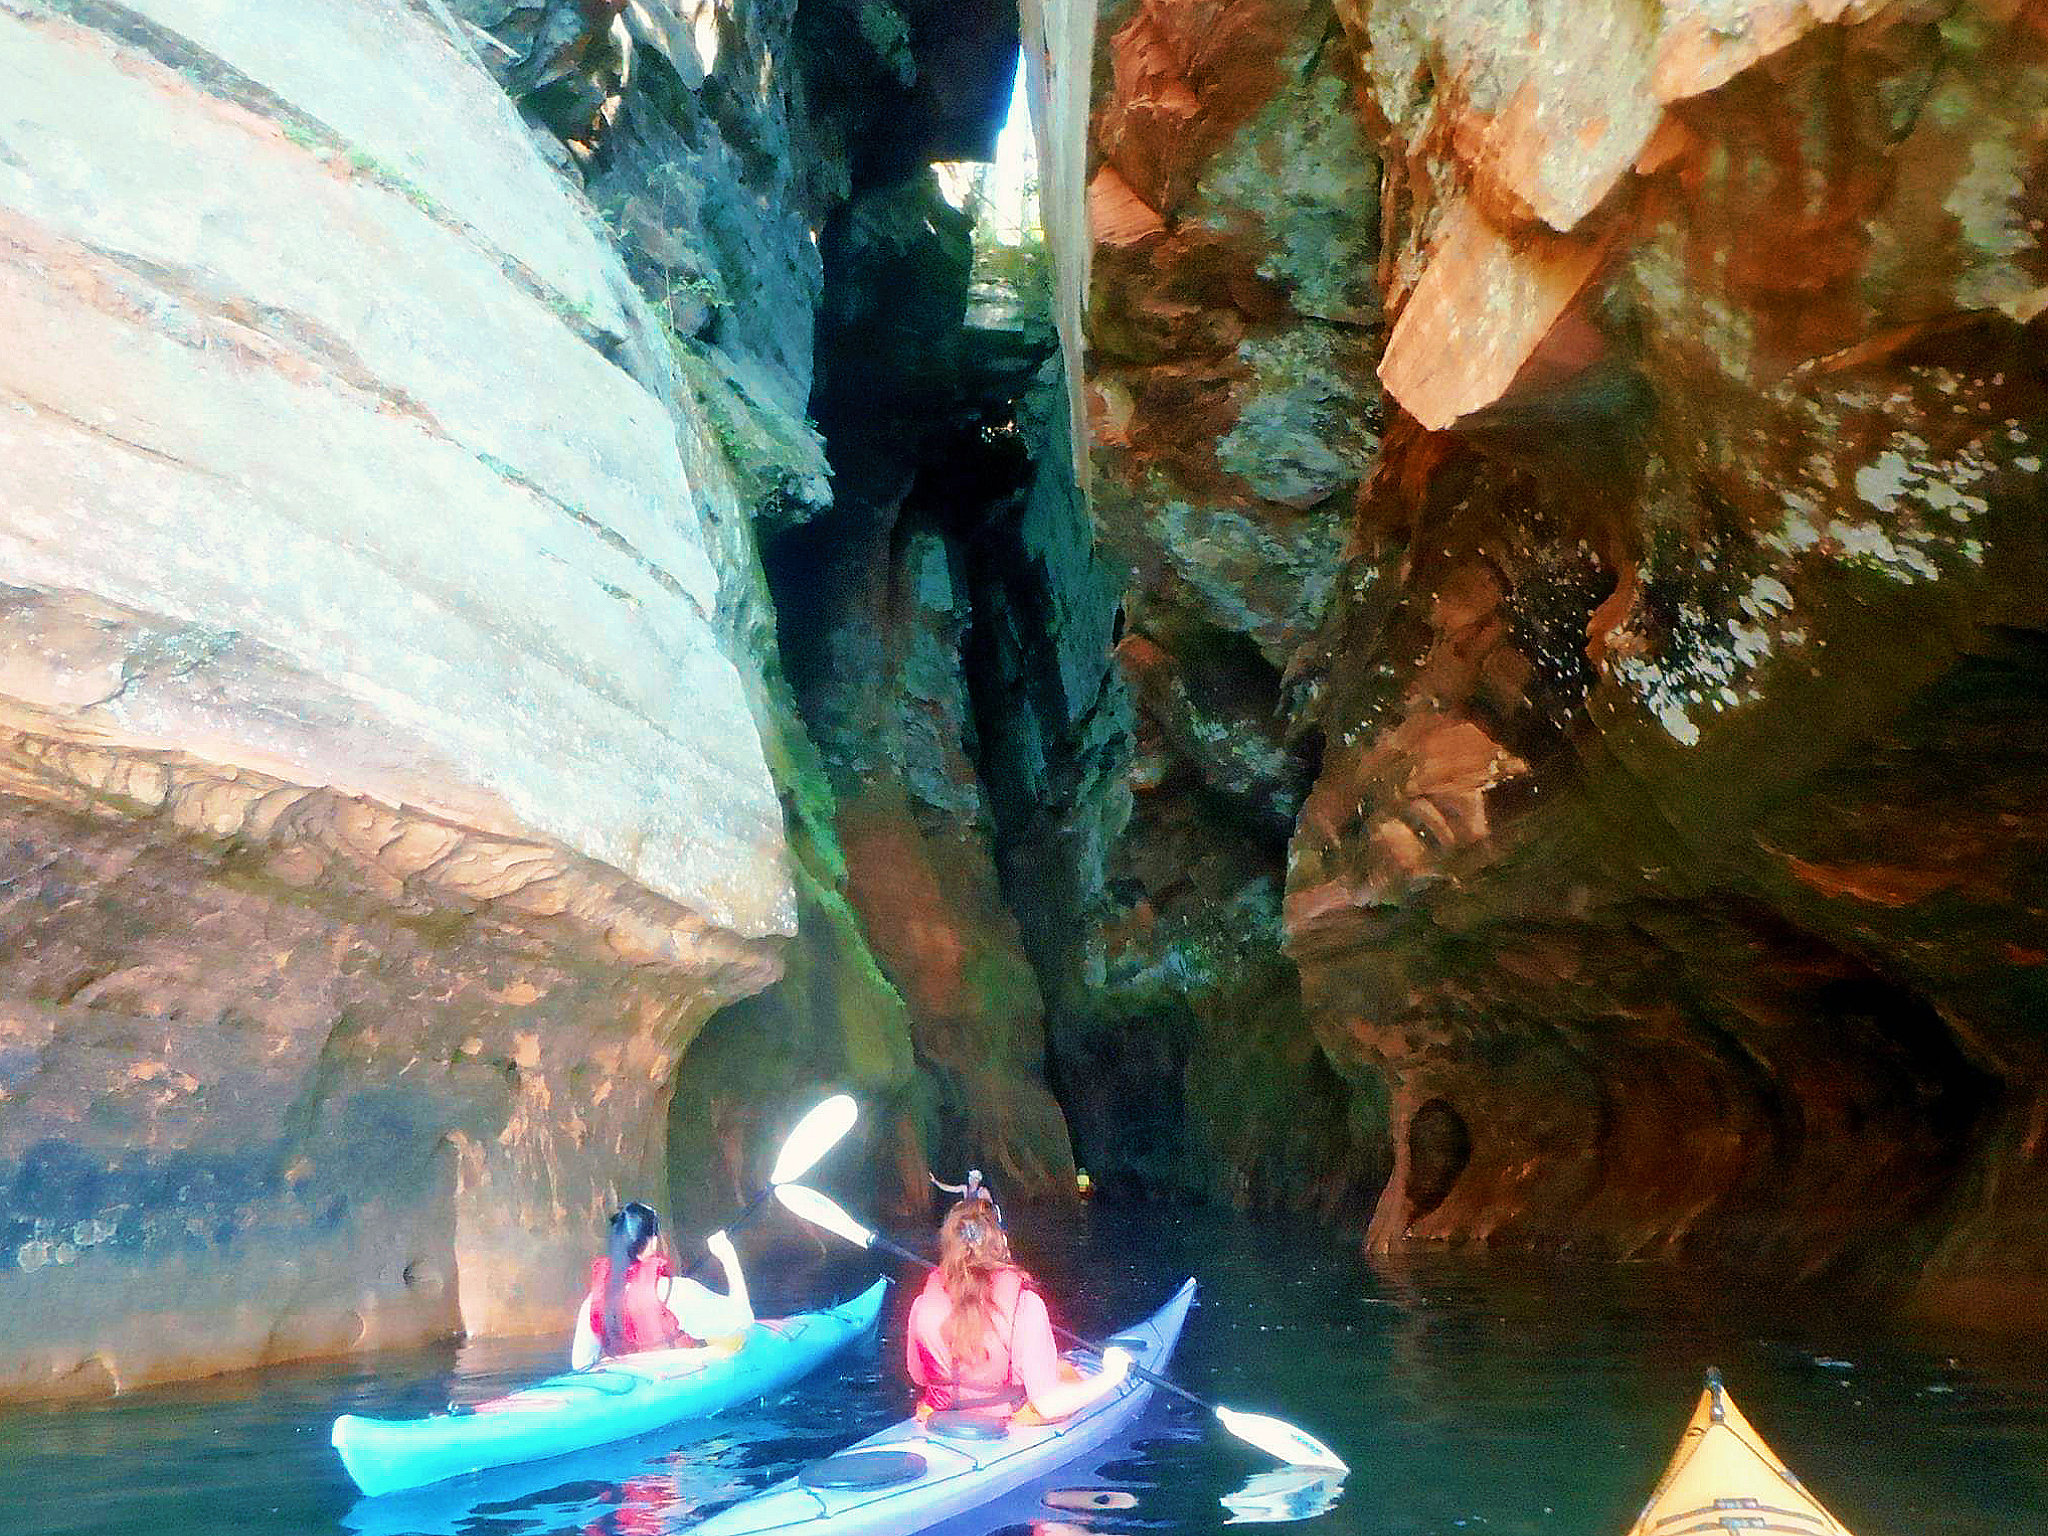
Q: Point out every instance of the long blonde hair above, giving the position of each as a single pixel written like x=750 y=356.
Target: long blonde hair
x=972 y=1248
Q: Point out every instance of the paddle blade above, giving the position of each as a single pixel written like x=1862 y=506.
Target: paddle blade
x=1278 y=1438
x=816 y=1134
x=822 y=1211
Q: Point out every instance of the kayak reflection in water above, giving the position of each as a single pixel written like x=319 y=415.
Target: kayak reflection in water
x=980 y=1339
x=637 y=1301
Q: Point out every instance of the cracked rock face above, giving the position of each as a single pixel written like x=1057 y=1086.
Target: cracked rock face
x=1644 y=533
x=384 y=807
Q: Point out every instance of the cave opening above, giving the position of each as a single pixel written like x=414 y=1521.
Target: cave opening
x=1439 y=1147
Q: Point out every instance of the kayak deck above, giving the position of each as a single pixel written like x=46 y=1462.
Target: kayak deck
x=1725 y=1481
x=959 y=1474
x=616 y=1400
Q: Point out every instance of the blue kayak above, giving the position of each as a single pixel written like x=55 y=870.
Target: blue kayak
x=615 y=1400
x=913 y=1475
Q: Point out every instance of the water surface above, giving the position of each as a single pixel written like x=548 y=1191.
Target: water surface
x=1472 y=1398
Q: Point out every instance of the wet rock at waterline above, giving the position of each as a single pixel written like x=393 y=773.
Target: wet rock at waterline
x=1644 y=534
x=384 y=809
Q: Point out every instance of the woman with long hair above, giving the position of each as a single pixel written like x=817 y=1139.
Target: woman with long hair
x=637 y=1301
x=980 y=1337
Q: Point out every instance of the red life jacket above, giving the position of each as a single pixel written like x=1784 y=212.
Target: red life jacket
x=992 y=1382
x=648 y=1323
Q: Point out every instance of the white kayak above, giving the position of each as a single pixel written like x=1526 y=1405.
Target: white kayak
x=937 y=1474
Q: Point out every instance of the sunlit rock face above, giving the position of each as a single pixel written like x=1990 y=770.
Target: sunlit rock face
x=385 y=806
x=1666 y=684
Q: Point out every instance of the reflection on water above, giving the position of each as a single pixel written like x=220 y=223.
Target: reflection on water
x=1285 y=1496
x=1089 y=1498
x=1471 y=1399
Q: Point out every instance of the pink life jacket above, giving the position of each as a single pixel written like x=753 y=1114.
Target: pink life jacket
x=993 y=1383
x=648 y=1323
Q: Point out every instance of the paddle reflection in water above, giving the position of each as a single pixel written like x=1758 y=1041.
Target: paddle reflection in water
x=1090 y=1498
x=1287 y=1494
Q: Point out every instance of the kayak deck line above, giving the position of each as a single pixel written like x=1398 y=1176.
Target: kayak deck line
x=959 y=1474
x=1725 y=1480
x=619 y=1400
x=661 y=1365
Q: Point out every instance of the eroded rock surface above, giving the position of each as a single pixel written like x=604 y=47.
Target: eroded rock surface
x=385 y=805
x=883 y=604
x=1643 y=528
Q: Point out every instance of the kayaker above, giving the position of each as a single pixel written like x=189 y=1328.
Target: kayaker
x=980 y=1338
x=637 y=1301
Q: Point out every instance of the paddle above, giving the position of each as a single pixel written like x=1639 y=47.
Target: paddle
x=1276 y=1437
x=820 y=1130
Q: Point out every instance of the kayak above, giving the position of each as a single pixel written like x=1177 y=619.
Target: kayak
x=1725 y=1481
x=614 y=1400
x=934 y=1472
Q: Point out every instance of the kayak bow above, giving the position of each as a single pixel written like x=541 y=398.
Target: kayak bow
x=616 y=1400
x=1724 y=1481
x=955 y=1474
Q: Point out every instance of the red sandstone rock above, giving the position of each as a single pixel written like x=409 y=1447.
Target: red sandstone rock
x=1664 y=851
x=1486 y=305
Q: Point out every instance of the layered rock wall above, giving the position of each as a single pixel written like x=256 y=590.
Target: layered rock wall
x=386 y=806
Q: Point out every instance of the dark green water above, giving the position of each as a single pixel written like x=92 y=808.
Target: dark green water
x=1471 y=1398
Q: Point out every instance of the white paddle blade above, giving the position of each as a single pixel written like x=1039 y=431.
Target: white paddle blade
x=816 y=1134
x=822 y=1211
x=1278 y=1438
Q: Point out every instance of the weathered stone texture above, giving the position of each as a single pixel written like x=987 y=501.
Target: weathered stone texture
x=385 y=803
x=1736 y=499
x=1233 y=324
x=879 y=599
x=1665 y=664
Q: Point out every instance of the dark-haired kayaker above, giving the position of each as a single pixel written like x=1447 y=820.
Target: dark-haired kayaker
x=980 y=1339
x=637 y=1301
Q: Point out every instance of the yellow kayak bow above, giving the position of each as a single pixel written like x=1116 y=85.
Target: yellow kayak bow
x=1724 y=1481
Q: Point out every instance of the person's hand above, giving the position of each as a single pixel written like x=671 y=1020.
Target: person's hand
x=721 y=1247
x=1116 y=1363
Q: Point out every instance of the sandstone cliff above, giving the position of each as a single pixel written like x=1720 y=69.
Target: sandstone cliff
x=385 y=806
x=1579 y=469
x=399 y=771
x=1476 y=665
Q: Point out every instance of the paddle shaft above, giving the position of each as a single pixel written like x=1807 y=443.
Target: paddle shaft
x=896 y=1251
x=761 y=1198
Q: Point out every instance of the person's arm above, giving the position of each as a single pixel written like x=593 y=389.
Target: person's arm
x=700 y=1311
x=913 y=1351
x=584 y=1345
x=1035 y=1356
x=735 y=1281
